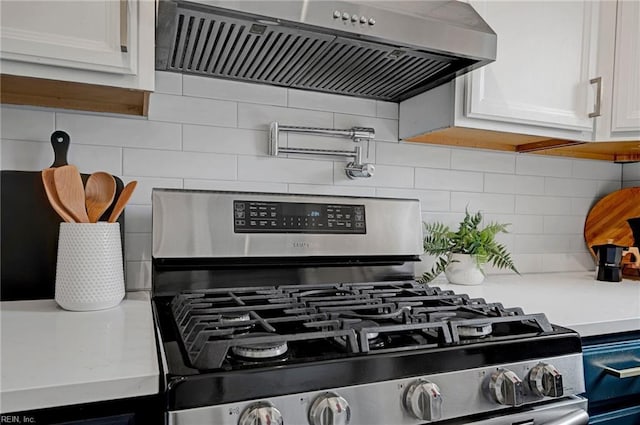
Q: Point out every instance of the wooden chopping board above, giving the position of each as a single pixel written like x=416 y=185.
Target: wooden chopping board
x=608 y=218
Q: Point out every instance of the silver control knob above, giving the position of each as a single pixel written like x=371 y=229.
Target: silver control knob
x=261 y=413
x=329 y=409
x=363 y=20
x=345 y=16
x=545 y=381
x=372 y=21
x=423 y=400
x=336 y=14
x=506 y=388
x=354 y=18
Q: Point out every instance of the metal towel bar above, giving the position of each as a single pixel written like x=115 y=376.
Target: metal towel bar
x=355 y=168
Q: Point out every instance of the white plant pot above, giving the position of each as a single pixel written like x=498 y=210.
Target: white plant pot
x=89 y=270
x=464 y=270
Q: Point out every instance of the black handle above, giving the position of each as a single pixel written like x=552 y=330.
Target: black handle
x=60 y=142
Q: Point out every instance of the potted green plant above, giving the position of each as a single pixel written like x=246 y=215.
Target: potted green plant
x=461 y=254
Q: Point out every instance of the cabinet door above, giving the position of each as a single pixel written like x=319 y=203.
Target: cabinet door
x=545 y=58
x=625 y=114
x=88 y=35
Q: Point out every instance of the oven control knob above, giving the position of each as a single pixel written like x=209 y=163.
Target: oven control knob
x=506 y=388
x=261 y=413
x=329 y=409
x=423 y=400
x=545 y=381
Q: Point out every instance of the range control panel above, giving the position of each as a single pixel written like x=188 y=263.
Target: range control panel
x=296 y=217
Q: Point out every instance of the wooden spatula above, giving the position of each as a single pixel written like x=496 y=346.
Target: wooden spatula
x=99 y=193
x=52 y=195
x=124 y=197
x=71 y=192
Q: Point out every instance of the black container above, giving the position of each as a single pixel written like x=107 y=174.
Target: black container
x=634 y=223
x=609 y=261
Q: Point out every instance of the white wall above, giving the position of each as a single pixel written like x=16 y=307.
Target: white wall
x=631 y=174
x=211 y=134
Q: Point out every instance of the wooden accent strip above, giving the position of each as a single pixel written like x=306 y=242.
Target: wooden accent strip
x=545 y=144
x=18 y=90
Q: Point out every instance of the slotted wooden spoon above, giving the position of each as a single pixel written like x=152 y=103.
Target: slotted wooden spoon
x=71 y=191
x=124 y=197
x=52 y=195
x=99 y=193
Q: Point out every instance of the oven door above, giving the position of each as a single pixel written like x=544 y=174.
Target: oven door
x=569 y=411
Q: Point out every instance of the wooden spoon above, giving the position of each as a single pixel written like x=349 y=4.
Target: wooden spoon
x=124 y=197
x=52 y=195
x=99 y=193
x=71 y=191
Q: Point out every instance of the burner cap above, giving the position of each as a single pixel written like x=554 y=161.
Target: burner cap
x=365 y=324
x=474 y=331
x=261 y=350
x=235 y=317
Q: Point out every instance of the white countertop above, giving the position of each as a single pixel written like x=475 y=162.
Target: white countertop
x=52 y=357
x=574 y=300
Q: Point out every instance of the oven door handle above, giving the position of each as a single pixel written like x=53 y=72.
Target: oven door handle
x=577 y=417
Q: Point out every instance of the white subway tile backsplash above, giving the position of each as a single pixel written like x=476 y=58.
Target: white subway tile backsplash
x=156 y=163
x=563 y=224
x=596 y=170
x=124 y=132
x=569 y=187
x=384 y=176
x=386 y=129
x=137 y=218
x=138 y=275
x=137 y=246
x=284 y=170
x=474 y=160
x=534 y=165
x=485 y=202
x=259 y=117
x=387 y=110
x=543 y=205
x=509 y=183
x=26 y=124
x=142 y=194
x=168 y=83
x=200 y=138
x=413 y=154
x=235 y=185
x=429 y=178
x=631 y=171
x=331 y=102
x=331 y=190
x=216 y=88
x=214 y=137
x=192 y=110
x=430 y=200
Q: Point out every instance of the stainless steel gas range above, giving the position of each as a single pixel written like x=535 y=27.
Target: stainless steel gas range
x=294 y=309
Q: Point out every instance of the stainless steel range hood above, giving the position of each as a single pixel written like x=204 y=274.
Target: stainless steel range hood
x=386 y=50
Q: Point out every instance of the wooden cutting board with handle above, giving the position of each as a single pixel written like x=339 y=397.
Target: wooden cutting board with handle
x=607 y=220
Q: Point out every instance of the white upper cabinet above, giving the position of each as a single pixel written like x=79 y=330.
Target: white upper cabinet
x=544 y=81
x=619 y=68
x=541 y=75
x=103 y=42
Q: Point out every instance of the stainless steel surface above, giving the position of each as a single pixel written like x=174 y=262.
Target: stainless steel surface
x=329 y=409
x=423 y=400
x=506 y=387
x=196 y=224
x=381 y=403
x=545 y=380
x=260 y=414
x=354 y=169
x=577 y=417
x=598 y=102
x=388 y=50
x=622 y=373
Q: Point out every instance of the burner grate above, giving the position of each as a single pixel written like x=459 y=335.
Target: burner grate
x=342 y=319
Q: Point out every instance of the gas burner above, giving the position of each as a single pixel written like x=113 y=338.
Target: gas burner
x=260 y=350
x=235 y=317
x=357 y=326
x=474 y=331
x=325 y=292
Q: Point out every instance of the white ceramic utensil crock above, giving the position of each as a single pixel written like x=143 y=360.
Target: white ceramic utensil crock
x=89 y=271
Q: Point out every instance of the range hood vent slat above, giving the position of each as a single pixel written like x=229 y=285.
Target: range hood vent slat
x=217 y=42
